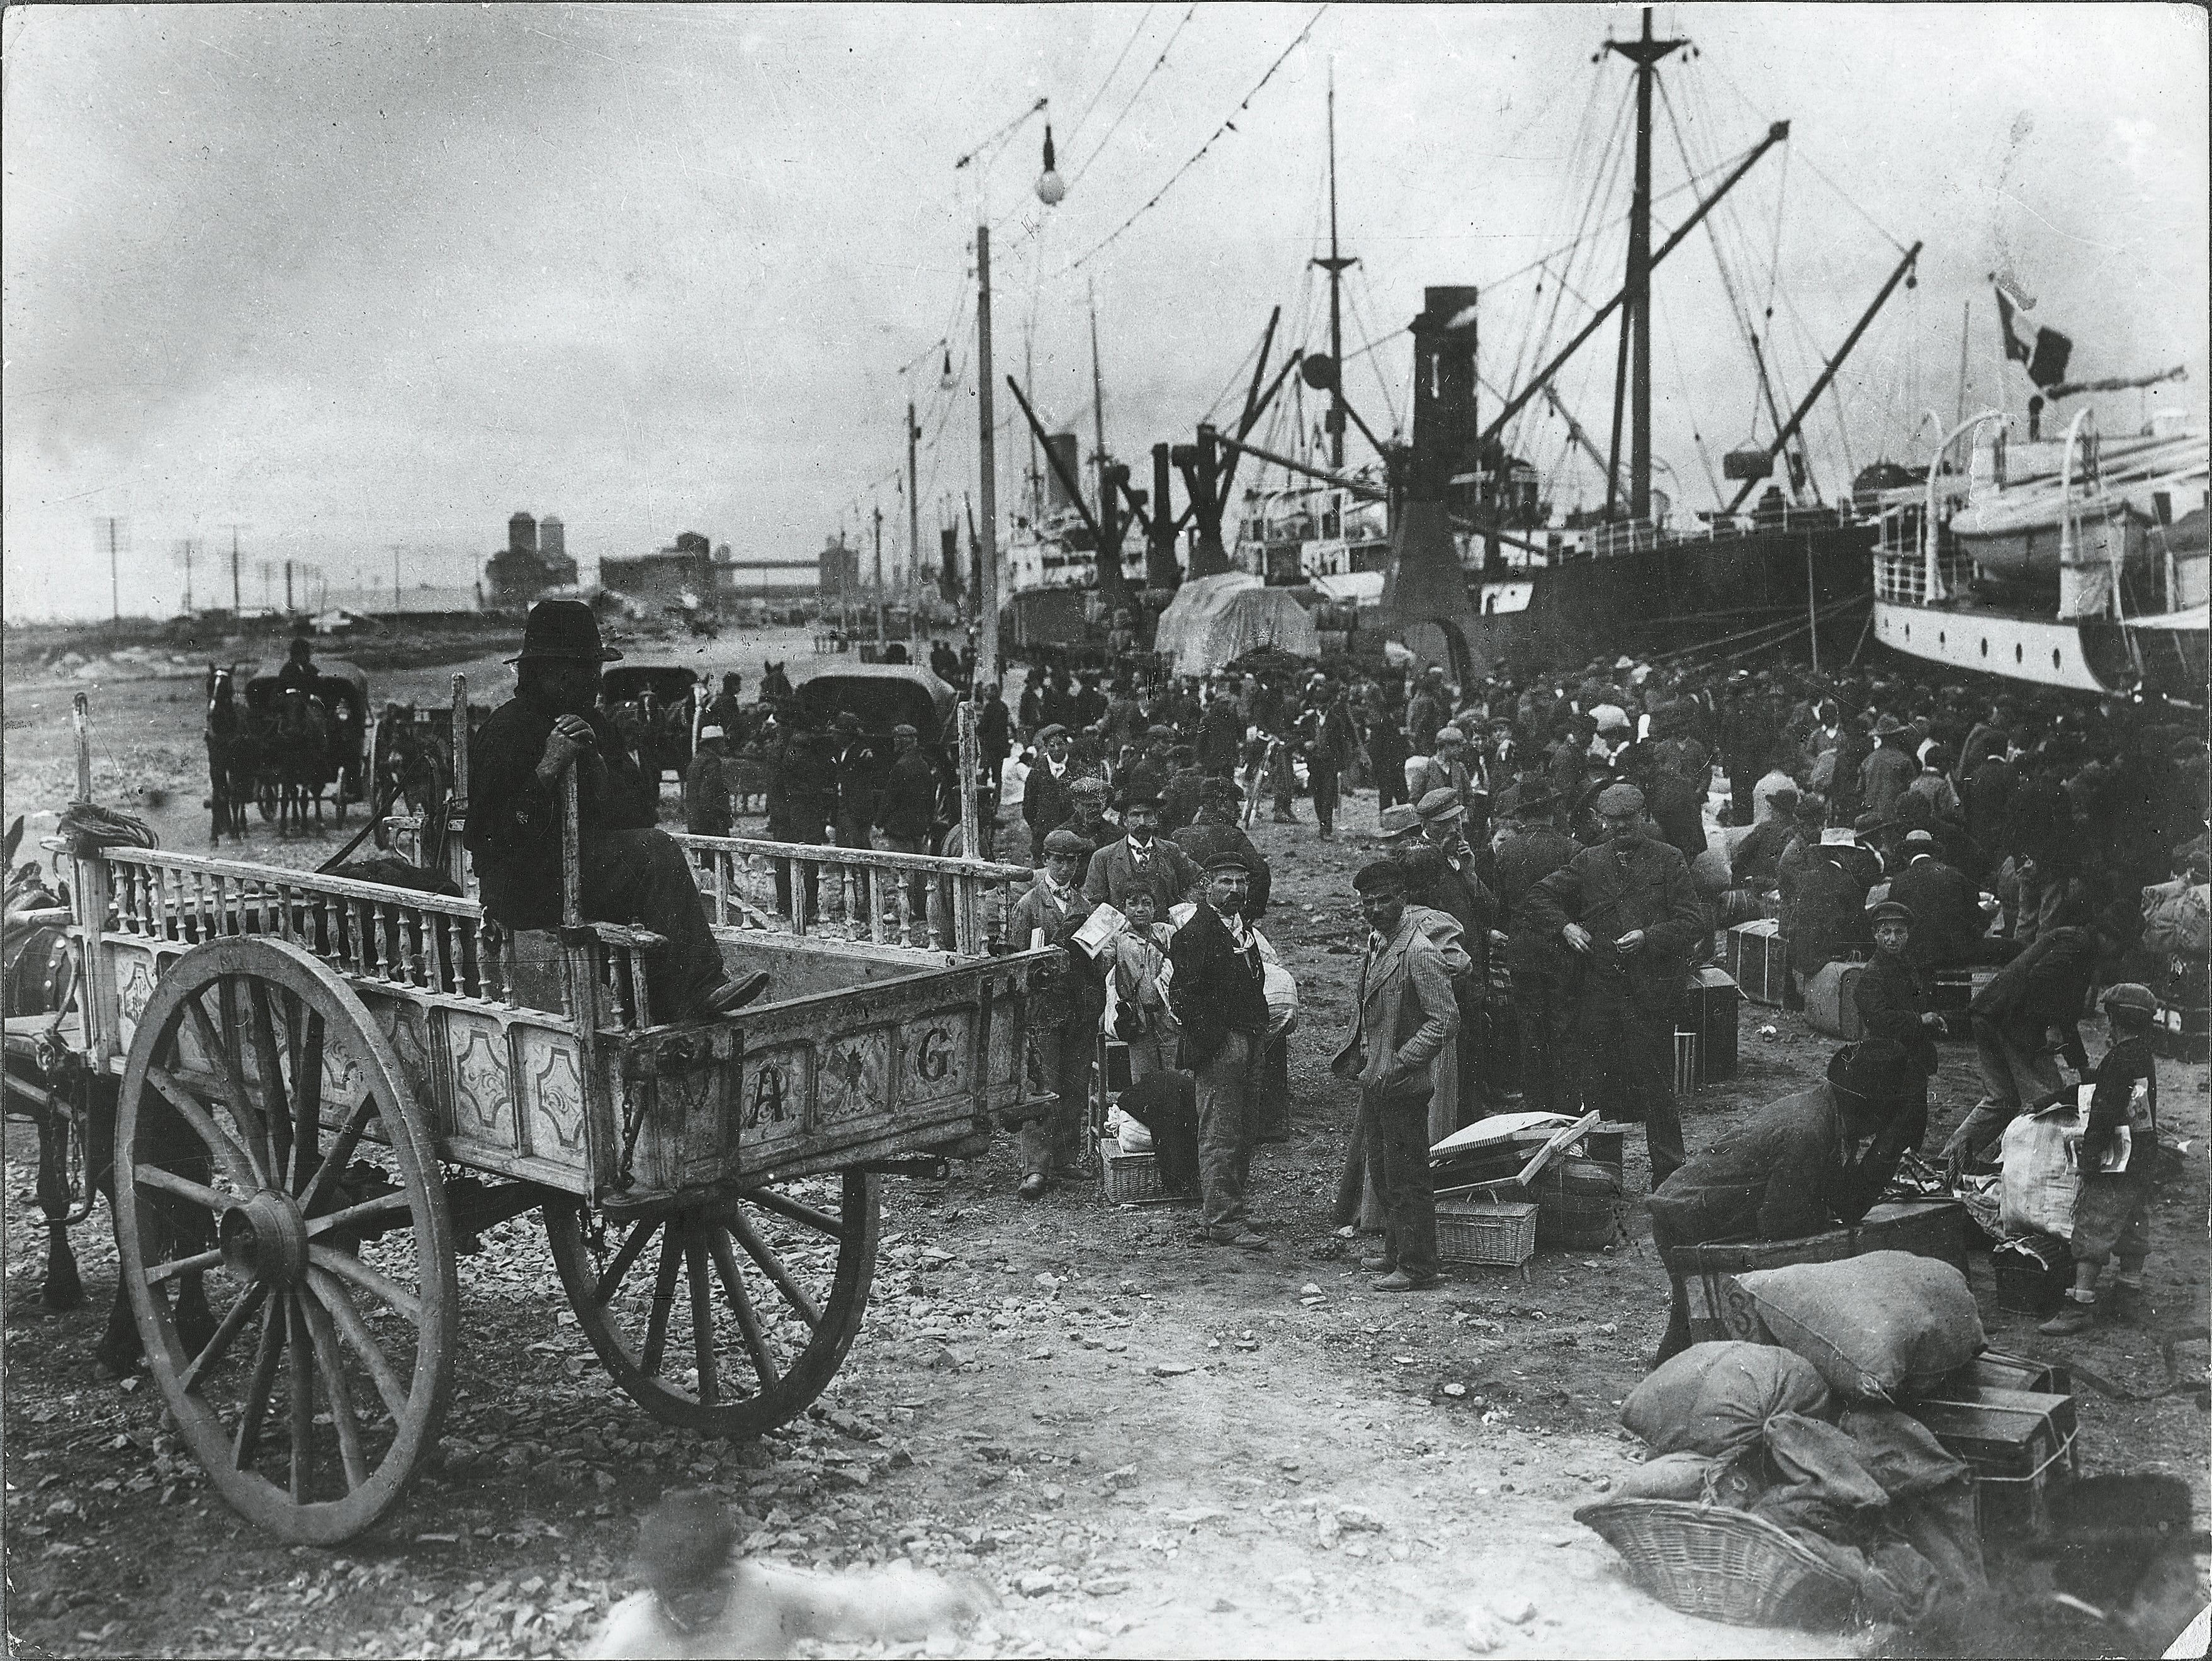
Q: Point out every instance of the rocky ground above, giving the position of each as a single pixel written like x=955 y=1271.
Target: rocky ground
x=1141 y=1445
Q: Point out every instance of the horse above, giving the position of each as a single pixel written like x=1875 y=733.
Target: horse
x=299 y=752
x=775 y=685
x=73 y=1108
x=230 y=750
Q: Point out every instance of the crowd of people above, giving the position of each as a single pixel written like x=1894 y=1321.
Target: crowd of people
x=1555 y=858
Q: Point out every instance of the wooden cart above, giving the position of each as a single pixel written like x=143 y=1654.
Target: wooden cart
x=325 y=1088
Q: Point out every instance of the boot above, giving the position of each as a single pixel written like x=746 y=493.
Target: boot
x=2079 y=1315
x=2124 y=1301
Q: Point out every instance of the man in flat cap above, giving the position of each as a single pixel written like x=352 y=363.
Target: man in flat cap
x=1141 y=858
x=1628 y=910
x=1064 y=1019
x=1441 y=873
x=632 y=872
x=1218 y=996
x=1405 y=1014
x=1894 y=1002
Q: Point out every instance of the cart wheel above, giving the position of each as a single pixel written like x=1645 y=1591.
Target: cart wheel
x=773 y=1287
x=330 y=1256
x=265 y=798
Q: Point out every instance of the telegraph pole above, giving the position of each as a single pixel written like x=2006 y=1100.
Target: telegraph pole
x=288 y=588
x=109 y=530
x=987 y=564
x=913 y=511
x=879 y=576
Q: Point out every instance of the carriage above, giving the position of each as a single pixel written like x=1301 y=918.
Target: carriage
x=285 y=771
x=321 y=1088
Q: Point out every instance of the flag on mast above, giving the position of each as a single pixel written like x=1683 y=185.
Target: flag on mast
x=2045 y=357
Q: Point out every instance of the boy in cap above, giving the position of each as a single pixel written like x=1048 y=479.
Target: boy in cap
x=1406 y=1013
x=632 y=872
x=1893 y=1002
x=1218 y=998
x=2109 y=1216
x=1064 y=1018
x=706 y=786
x=1629 y=912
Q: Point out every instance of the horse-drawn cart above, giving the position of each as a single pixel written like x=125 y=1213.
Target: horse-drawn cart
x=323 y=1087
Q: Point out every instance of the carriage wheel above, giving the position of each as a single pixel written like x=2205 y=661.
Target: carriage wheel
x=266 y=797
x=729 y=1318
x=275 y=1154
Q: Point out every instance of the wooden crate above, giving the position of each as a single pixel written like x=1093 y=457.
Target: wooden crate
x=1758 y=959
x=1994 y=1369
x=1710 y=1004
x=1471 y=1233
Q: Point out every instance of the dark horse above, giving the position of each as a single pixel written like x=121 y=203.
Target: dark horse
x=775 y=685
x=74 y=1109
x=230 y=748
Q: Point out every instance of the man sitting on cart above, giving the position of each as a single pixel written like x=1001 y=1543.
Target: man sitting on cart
x=299 y=671
x=632 y=872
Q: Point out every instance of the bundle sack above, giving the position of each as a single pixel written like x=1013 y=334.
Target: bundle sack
x=1715 y=1398
x=1669 y=1476
x=1876 y=1327
x=2041 y=1182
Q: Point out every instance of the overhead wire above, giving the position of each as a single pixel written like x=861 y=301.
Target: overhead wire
x=1076 y=131
x=1159 y=64
x=1227 y=124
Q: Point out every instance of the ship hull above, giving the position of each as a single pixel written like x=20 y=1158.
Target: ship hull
x=1674 y=595
x=2167 y=657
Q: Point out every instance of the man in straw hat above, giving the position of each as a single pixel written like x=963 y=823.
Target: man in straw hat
x=631 y=872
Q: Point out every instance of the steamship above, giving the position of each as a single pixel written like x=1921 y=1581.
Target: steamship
x=2069 y=562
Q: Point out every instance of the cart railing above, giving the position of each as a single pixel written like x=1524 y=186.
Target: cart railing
x=904 y=901
x=370 y=931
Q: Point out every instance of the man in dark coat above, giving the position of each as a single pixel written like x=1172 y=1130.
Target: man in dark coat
x=854 y=765
x=1064 y=1020
x=1893 y=1002
x=1747 y=740
x=2035 y=997
x=1386 y=756
x=1884 y=775
x=706 y=786
x=2038 y=834
x=1946 y=909
x=1628 y=909
x=1221 y=731
x=1428 y=712
x=1541 y=968
x=1140 y=859
x=1216 y=831
x=1218 y=1000
x=1674 y=805
x=1441 y=874
x=1795 y=1168
x=1046 y=805
x=802 y=799
x=631 y=872
x=1755 y=860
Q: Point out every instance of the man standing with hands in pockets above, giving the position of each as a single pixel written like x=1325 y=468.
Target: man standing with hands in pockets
x=1406 y=1015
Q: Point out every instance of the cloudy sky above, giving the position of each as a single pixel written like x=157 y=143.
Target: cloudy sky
x=376 y=276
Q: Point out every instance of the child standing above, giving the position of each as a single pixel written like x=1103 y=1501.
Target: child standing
x=2109 y=1216
x=1141 y=1018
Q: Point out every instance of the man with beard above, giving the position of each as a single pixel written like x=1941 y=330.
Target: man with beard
x=1218 y=999
x=1628 y=909
x=1139 y=860
x=632 y=873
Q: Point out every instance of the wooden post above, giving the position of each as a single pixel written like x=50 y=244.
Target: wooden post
x=971 y=830
x=80 y=719
x=456 y=809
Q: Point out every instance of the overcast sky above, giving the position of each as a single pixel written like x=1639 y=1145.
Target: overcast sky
x=366 y=276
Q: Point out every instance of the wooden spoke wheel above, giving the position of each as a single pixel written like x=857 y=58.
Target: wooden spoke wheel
x=277 y=1165
x=727 y=1318
x=266 y=795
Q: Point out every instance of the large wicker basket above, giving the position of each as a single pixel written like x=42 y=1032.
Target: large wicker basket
x=1723 y=1564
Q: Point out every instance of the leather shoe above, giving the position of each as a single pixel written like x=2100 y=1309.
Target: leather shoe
x=1377 y=1263
x=736 y=994
x=1399 y=1280
x=1033 y=1186
x=1242 y=1239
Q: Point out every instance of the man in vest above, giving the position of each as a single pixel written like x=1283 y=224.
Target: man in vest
x=1064 y=1026
x=1218 y=998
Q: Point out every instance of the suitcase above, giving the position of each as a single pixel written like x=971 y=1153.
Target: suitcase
x=1926 y=1227
x=1709 y=1007
x=1759 y=960
x=1829 y=1005
x=2020 y=1445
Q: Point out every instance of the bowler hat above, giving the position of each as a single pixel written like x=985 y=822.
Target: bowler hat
x=1140 y=798
x=565 y=629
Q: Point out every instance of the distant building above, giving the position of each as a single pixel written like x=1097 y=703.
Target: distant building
x=737 y=581
x=837 y=572
x=529 y=564
x=681 y=577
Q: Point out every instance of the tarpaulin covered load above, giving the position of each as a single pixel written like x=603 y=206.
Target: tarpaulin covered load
x=1213 y=620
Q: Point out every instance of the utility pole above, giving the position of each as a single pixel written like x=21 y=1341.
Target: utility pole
x=1645 y=54
x=289 y=607
x=184 y=553
x=987 y=563
x=912 y=505
x=1105 y=465
x=395 y=579
x=879 y=575
x=111 y=533
x=1335 y=265
x=237 y=604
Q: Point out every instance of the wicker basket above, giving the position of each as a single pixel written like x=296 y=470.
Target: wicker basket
x=1469 y=1232
x=1721 y=1564
x=1129 y=1178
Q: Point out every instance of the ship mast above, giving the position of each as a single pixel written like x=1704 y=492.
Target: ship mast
x=1636 y=315
x=1335 y=265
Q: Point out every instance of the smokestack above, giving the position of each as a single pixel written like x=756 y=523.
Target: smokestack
x=522 y=535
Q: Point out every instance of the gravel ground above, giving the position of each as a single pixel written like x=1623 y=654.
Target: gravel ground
x=1141 y=1444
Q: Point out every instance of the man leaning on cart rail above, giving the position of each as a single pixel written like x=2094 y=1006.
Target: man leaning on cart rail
x=632 y=872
